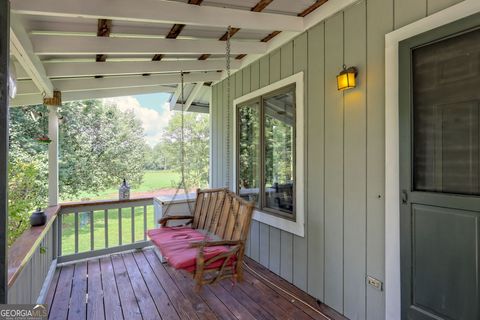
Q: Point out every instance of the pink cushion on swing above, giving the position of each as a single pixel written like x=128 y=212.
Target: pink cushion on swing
x=174 y=245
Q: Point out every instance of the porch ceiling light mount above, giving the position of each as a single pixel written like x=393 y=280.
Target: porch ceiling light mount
x=346 y=79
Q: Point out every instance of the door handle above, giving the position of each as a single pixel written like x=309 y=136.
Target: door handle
x=404 y=197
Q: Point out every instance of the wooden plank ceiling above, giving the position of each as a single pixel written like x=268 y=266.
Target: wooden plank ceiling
x=131 y=50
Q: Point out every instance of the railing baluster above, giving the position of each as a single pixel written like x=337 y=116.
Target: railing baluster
x=106 y=227
x=144 y=222
x=76 y=231
x=92 y=234
x=119 y=226
x=133 y=224
x=59 y=238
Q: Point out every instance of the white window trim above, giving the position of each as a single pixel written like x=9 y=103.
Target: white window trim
x=296 y=227
x=392 y=144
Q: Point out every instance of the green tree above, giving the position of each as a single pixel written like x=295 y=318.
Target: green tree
x=196 y=142
x=99 y=146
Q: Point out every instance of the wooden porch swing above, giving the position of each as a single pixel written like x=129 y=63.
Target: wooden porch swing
x=211 y=244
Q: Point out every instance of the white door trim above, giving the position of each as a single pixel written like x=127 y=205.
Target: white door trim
x=392 y=171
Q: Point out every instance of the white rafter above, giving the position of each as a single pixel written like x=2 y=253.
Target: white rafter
x=193 y=95
x=175 y=96
x=159 y=11
x=71 y=45
x=82 y=69
x=83 y=84
x=32 y=99
x=21 y=48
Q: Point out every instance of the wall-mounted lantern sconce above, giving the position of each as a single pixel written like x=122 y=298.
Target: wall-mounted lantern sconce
x=346 y=78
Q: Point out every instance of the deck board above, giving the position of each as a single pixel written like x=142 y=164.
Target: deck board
x=95 y=307
x=136 y=285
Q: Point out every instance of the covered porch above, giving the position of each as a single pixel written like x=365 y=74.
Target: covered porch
x=337 y=231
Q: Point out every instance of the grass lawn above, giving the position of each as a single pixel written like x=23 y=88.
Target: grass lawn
x=68 y=223
x=152 y=181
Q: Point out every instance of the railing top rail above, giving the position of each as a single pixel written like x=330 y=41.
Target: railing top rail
x=71 y=207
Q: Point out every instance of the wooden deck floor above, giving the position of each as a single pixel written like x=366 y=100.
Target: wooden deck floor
x=138 y=286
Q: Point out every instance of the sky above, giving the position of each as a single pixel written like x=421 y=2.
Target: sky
x=153 y=110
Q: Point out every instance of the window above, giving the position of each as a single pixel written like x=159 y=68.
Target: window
x=265 y=142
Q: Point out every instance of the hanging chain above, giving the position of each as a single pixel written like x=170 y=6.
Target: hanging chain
x=182 y=184
x=182 y=144
x=227 y=58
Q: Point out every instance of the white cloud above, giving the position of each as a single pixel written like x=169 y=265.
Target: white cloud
x=153 y=122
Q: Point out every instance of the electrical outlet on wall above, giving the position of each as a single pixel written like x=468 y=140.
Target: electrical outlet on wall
x=377 y=284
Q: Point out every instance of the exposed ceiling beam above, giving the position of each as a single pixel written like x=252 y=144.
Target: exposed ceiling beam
x=22 y=49
x=71 y=45
x=85 y=69
x=83 y=84
x=37 y=98
x=175 y=31
x=262 y=4
x=312 y=8
x=175 y=96
x=193 y=95
x=193 y=108
x=327 y=10
x=104 y=27
x=158 y=11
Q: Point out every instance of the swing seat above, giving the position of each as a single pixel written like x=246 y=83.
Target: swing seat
x=211 y=245
x=174 y=245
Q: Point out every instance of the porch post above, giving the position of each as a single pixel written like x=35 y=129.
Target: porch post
x=4 y=61
x=53 y=104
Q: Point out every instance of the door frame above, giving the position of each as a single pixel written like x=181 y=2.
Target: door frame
x=392 y=143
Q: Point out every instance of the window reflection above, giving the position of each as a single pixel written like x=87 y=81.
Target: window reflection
x=279 y=151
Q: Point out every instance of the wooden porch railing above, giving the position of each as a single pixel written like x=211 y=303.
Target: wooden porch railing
x=74 y=231
x=90 y=229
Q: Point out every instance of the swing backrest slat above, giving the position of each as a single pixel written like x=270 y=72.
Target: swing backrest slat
x=223 y=213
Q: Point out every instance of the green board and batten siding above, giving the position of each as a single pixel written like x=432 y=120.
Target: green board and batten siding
x=344 y=161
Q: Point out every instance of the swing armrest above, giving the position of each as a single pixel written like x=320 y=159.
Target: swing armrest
x=163 y=221
x=201 y=244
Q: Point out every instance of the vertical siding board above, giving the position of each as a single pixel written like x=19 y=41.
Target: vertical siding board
x=333 y=165
x=274 y=261
x=286 y=238
x=263 y=229
x=264 y=244
x=286 y=255
x=246 y=74
x=264 y=71
x=255 y=241
x=246 y=87
x=286 y=56
x=315 y=159
x=275 y=66
x=375 y=256
x=226 y=104
x=233 y=95
x=220 y=134
x=300 y=245
x=255 y=76
x=408 y=11
x=213 y=135
x=355 y=165
x=437 y=5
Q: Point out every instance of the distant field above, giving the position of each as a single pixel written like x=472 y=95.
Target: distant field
x=152 y=181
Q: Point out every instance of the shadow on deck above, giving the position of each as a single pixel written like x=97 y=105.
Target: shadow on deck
x=136 y=285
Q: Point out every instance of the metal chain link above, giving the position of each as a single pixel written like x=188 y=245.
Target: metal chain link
x=227 y=59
